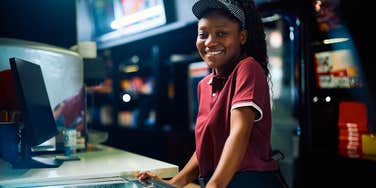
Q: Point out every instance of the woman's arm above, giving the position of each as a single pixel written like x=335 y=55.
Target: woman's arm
x=189 y=173
x=186 y=175
x=235 y=147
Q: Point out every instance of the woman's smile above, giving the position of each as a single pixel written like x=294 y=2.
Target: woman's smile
x=214 y=52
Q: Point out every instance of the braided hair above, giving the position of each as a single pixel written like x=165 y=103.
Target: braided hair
x=256 y=40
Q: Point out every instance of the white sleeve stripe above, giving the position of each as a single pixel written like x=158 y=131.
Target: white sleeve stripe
x=252 y=104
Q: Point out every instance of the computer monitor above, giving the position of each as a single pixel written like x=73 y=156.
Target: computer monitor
x=38 y=124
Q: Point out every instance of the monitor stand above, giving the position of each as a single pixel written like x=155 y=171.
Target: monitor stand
x=26 y=161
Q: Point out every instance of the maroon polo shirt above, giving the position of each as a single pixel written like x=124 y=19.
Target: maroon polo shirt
x=245 y=85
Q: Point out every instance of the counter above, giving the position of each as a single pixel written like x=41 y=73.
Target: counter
x=98 y=162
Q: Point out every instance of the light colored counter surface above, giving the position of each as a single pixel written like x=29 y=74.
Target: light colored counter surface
x=102 y=161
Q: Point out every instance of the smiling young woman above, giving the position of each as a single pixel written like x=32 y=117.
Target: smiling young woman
x=233 y=125
x=220 y=39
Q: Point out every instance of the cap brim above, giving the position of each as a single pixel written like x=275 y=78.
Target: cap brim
x=200 y=7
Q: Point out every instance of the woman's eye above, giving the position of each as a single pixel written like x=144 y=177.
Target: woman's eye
x=221 y=34
x=202 y=35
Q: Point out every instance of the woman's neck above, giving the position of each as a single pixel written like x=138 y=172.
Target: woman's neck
x=227 y=68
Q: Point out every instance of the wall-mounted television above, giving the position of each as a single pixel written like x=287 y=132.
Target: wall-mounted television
x=107 y=21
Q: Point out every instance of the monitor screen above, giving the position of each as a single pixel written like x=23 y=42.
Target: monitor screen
x=38 y=121
x=110 y=20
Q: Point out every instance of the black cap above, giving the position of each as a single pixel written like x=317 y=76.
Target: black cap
x=233 y=7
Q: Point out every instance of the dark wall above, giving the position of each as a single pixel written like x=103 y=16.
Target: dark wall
x=359 y=18
x=47 y=21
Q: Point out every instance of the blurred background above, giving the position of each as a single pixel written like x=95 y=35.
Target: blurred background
x=141 y=80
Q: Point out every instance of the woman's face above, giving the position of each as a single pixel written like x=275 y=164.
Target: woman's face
x=219 y=40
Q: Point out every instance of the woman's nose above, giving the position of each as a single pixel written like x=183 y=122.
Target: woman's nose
x=210 y=41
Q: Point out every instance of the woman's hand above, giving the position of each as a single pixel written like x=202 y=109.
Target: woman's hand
x=147 y=174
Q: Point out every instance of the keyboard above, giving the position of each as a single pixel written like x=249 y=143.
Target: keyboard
x=116 y=182
x=154 y=183
x=150 y=183
x=109 y=182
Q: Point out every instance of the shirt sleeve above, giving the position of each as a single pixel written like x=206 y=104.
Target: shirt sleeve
x=250 y=88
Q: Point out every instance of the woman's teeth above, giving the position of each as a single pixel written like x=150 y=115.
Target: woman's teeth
x=214 y=52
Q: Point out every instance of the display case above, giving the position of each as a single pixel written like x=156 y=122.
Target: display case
x=137 y=86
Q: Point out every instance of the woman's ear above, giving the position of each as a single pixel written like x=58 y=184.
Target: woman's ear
x=243 y=36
